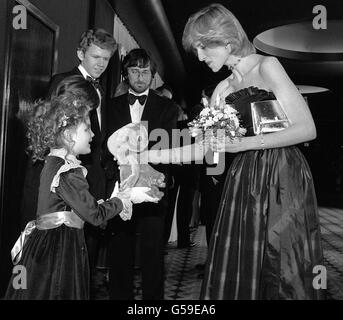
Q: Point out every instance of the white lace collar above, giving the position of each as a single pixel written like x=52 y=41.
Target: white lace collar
x=70 y=163
x=63 y=153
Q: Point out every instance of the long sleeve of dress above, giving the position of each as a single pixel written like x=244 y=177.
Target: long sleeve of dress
x=74 y=190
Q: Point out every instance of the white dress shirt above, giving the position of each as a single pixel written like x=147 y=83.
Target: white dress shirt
x=136 y=110
x=98 y=109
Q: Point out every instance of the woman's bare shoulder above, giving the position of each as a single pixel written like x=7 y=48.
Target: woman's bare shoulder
x=266 y=62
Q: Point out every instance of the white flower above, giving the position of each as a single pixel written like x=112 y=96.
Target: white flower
x=209 y=122
x=205 y=112
x=204 y=101
x=242 y=131
x=228 y=109
x=213 y=112
x=76 y=103
x=63 y=121
x=219 y=118
x=195 y=132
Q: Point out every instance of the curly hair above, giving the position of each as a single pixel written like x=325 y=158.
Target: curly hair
x=98 y=37
x=50 y=118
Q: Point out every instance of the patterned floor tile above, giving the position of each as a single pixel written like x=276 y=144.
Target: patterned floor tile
x=183 y=278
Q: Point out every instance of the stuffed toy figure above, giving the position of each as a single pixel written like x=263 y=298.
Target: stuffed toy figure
x=125 y=145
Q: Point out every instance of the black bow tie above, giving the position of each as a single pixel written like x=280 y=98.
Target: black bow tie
x=96 y=84
x=133 y=98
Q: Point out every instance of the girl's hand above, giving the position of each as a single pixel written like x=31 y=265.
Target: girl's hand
x=140 y=194
x=135 y=194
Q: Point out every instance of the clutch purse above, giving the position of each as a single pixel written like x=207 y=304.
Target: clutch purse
x=268 y=116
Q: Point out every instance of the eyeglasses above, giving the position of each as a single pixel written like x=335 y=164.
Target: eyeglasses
x=135 y=72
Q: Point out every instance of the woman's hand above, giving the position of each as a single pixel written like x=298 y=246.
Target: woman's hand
x=222 y=90
x=204 y=138
x=230 y=145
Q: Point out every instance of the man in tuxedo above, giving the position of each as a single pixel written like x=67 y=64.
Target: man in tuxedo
x=94 y=51
x=140 y=104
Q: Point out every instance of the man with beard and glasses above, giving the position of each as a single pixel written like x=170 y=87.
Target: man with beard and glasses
x=140 y=104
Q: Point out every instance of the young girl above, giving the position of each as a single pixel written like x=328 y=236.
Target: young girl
x=52 y=248
x=76 y=85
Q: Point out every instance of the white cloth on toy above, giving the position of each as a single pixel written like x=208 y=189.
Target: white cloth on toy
x=125 y=145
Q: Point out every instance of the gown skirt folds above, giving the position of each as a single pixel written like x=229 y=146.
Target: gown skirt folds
x=266 y=239
x=52 y=257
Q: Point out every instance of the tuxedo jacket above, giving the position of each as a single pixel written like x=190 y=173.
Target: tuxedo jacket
x=159 y=113
x=94 y=162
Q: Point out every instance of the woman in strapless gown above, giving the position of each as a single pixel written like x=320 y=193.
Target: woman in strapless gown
x=266 y=238
x=266 y=242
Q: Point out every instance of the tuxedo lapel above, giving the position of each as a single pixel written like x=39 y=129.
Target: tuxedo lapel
x=100 y=131
x=125 y=116
x=150 y=108
x=103 y=118
x=76 y=71
x=94 y=123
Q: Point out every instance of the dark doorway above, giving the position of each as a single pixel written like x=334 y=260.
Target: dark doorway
x=30 y=60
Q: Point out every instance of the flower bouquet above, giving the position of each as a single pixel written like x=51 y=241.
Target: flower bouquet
x=219 y=121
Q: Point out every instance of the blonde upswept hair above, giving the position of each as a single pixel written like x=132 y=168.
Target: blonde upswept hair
x=214 y=26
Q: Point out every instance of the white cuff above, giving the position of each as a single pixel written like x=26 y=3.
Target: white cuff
x=126 y=213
